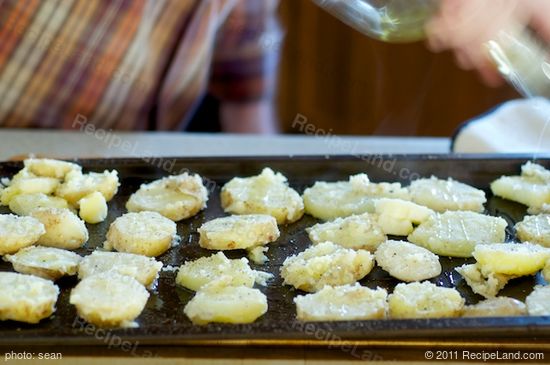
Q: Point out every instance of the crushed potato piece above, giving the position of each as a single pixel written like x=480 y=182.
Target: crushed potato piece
x=406 y=261
x=18 y=232
x=45 y=262
x=63 y=228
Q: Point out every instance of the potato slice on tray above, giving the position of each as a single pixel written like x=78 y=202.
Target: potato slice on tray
x=63 y=228
x=18 y=232
x=443 y=195
x=535 y=229
x=496 y=307
x=46 y=262
x=407 y=262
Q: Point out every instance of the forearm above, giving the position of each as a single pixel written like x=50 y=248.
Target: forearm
x=254 y=117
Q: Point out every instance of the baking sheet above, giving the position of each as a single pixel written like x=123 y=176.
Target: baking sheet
x=163 y=320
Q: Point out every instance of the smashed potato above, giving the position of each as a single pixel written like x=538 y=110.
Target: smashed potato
x=342 y=303
x=535 y=229
x=532 y=188
x=331 y=200
x=456 y=233
x=175 y=197
x=238 y=232
x=267 y=193
x=45 y=262
x=326 y=264
x=517 y=259
x=26 y=298
x=109 y=299
x=443 y=195
x=406 y=261
x=424 y=300
x=484 y=283
x=18 y=232
x=538 y=302
x=46 y=167
x=143 y=233
x=63 y=228
x=356 y=231
x=397 y=216
x=496 y=307
x=77 y=185
x=144 y=269
x=93 y=208
x=218 y=301
x=28 y=185
x=24 y=204
x=195 y=274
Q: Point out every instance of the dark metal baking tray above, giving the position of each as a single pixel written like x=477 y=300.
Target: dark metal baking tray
x=163 y=320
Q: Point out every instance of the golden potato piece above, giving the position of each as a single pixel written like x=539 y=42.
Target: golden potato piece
x=267 y=193
x=109 y=299
x=93 y=208
x=46 y=262
x=424 y=300
x=143 y=233
x=26 y=298
x=486 y=284
x=517 y=259
x=397 y=216
x=18 y=232
x=24 y=204
x=195 y=274
x=456 y=233
x=443 y=195
x=532 y=188
x=496 y=307
x=175 y=197
x=330 y=200
x=220 y=302
x=535 y=229
x=342 y=303
x=326 y=264
x=28 y=185
x=63 y=228
x=144 y=269
x=538 y=302
x=77 y=185
x=356 y=231
x=238 y=232
x=406 y=261
x=46 y=167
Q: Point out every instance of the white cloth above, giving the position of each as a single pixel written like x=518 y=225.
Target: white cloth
x=518 y=126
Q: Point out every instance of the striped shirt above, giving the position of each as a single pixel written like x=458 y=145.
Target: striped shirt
x=131 y=64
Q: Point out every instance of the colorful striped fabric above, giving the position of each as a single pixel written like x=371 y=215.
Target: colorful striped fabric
x=131 y=64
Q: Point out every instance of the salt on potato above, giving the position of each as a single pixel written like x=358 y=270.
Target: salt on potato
x=77 y=185
x=93 y=208
x=46 y=262
x=18 y=232
x=238 y=232
x=457 y=233
x=266 y=193
x=175 y=197
x=24 y=204
x=535 y=229
x=496 y=307
x=532 y=188
x=538 y=302
x=143 y=233
x=424 y=300
x=342 y=303
x=47 y=167
x=356 y=232
x=326 y=264
x=220 y=302
x=406 y=261
x=443 y=195
x=331 y=200
x=144 y=269
x=28 y=184
x=195 y=274
x=63 y=228
x=109 y=299
x=26 y=298
x=397 y=217
x=484 y=283
x=517 y=259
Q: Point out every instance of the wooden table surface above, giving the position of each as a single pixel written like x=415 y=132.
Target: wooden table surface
x=70 y=144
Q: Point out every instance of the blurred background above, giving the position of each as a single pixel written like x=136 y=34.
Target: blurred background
x=350 y=84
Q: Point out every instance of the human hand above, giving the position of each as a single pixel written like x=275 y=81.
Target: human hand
x=464 y=26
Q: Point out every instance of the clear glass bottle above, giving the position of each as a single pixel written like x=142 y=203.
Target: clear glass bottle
x=521 y=58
